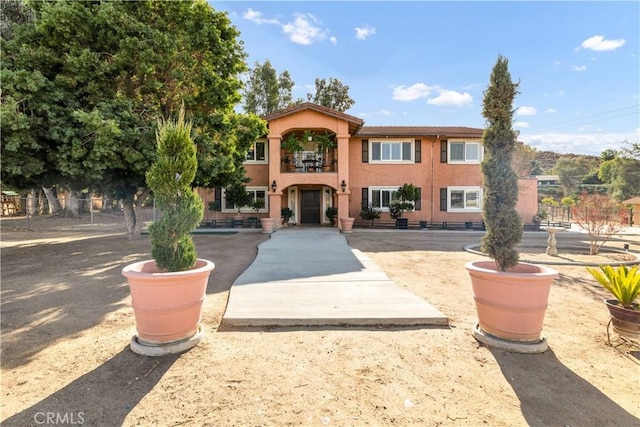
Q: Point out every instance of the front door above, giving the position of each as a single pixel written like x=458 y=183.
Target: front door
x=310 y=207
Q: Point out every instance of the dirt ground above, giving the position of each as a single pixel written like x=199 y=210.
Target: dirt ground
x=67 y=322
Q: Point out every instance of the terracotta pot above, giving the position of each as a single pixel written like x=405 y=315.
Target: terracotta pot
x=626 y=322
x=511 y=305
x=167 y=306
x=347 y=224
x=267 y=225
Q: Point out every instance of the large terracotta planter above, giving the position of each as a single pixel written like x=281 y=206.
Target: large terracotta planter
x=267 y=225
x=511 y=305
x=626 y=322
x=347 y=224
x=167 y=306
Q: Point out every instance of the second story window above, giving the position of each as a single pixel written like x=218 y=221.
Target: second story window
x=464 y=152
x=257 y=153
x=392 y=151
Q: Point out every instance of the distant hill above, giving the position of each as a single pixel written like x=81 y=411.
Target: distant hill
x=548 y=159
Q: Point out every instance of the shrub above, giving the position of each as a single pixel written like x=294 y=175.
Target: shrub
x=369 y=213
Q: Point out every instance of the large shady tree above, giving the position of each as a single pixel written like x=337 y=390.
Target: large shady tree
x=86 y=82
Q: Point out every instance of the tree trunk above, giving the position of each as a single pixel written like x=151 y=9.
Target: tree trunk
x=72 y=205
x=52 y=198
x=132 y=206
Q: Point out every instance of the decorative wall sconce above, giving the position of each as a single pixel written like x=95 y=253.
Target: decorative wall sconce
x=343 y=186
x=274 y=185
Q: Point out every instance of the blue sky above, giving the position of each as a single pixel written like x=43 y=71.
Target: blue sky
x=428 y=63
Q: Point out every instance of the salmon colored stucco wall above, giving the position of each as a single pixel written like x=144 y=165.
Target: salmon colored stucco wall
x=430 y=174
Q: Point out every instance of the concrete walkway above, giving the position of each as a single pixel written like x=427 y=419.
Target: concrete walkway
x=311 y=277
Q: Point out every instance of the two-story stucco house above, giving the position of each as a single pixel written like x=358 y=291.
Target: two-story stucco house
x=367 y=164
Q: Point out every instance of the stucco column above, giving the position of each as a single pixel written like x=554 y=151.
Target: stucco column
x=343 y=175
x=275 y=198
x=275 y=204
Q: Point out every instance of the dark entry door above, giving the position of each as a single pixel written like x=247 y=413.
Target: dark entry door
x=310 y=207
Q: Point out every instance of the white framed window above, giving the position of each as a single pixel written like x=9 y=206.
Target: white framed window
x=465 y=152
x=257 y=193
x=380 y=197
x=391 y=151
x=467 y=199
x=258 y=153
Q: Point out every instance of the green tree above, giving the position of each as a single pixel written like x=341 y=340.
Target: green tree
x=265 y=92
x=91 y=79
x=572 y=171
x=504 y=226
x=622 y=171
x=13 y=13
x=331 y=94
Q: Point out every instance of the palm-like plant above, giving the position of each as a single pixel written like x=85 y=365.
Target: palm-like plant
x=623 y=283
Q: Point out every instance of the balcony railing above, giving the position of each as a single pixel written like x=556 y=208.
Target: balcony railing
x=309 y=162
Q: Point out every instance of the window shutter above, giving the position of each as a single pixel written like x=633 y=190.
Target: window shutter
x=365 y=151
x=218 y=198
x=365 y=197
x=418 y=148
x=418 y=205
x=443 y=151
x=443 y=199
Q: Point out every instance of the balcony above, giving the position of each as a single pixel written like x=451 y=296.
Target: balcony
x=309 y=162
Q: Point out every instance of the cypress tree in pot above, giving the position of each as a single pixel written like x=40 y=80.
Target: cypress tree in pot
x=504 y=226
x=511 y=297
x=167 y=293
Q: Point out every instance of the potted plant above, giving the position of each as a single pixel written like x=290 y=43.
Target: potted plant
x=369 y=213
x=325 y=143
x=286 y=213
x=167 y=293
x=624 y=285
x=511 y=296
x=331 y=213
x=291 y=144
x=403 y=201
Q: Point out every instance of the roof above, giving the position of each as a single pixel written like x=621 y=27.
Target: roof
x=632 y=201
x=354 y=122
x=443 y=131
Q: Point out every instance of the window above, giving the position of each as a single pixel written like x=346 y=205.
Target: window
x=392 y=151
x=257 y=193
x=464 y=199
x=464 y=152
x=257 y=153
x=380 y=197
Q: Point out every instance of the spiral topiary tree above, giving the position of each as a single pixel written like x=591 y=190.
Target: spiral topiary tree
x=170 y=179
x=504 y=226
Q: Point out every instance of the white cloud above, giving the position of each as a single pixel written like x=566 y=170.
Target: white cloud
x=304 y=29
x=385 y=113
x=364 y=32
x=256 y=17
x=579 y=67
x=411 y=93
x=451 y=98
x=526 y=111
x=521 y=125
x=444 y=97
x=599 y=44
x=550 y=110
